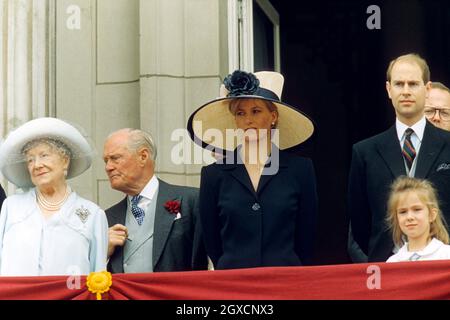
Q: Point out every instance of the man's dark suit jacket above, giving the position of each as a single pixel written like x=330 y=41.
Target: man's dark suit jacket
x=177 y=244
x=273 y=226
x=376 y=162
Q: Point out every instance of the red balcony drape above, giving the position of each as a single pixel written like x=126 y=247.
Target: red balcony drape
x=408 y=280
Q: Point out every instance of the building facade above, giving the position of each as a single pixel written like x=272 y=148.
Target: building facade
x=108 y=64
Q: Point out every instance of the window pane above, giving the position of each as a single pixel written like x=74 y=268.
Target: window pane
x=262 y=40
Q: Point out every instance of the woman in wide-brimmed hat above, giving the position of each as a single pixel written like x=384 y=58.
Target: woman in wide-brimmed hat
x=49 y=229
x=257 y=204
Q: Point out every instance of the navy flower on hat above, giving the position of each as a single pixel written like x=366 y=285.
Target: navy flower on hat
x=241 y=83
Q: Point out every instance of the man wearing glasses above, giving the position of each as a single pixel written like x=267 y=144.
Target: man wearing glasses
x=437 y=106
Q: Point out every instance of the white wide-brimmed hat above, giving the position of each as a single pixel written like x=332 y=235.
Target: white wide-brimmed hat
x=294 y=126
x=12 y=161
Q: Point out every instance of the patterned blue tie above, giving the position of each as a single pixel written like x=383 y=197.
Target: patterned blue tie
x=137 y=212
x=409 y=153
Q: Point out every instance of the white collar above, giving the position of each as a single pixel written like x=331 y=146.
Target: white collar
x=418 y=127
x=432 y=247
x=150 y=189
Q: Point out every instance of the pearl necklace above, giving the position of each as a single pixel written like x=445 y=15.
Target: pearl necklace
x=52 y=206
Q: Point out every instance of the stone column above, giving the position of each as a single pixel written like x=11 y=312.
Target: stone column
x=116 y=102
x=180 y=69
x=97 y=75
x=24 y=70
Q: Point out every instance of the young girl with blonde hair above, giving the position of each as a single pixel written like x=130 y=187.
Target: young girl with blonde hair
x=414 y=214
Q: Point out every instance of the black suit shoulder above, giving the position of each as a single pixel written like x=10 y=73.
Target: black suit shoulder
x=285 y=158
x=117 y=206
x=187 y=190
x=390 y=133
x=444 y=134
x=190 y=194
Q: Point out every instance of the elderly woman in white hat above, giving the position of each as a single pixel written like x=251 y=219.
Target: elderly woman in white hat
x=257 y=204
x=49 y=229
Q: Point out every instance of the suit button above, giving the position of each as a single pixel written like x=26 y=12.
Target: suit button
x=256 y=206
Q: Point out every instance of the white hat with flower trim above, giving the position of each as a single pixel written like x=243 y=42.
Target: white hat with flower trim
x=294 y=126
x=12 y=159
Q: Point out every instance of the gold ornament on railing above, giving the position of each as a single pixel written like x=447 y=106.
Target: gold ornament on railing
x=99 y=282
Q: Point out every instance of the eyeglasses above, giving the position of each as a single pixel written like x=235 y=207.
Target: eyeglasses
x=444 y=114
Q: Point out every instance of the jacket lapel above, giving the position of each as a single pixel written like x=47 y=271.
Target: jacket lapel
x=238 y=171
x=430 y=148
x=163 y=220
x=267 y=175
x=389 y=149
x=117 y=215
x=240 y=174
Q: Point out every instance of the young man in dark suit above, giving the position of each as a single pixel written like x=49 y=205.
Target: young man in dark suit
x=412 y=146
x=156 y=226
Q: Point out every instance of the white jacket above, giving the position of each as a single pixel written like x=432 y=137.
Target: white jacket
x=72 y=241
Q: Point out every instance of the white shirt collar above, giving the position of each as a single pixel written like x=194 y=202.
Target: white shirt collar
x=431 y=248
x=150 y=189
x=418 y=127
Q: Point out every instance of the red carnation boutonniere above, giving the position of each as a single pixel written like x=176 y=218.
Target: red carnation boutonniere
x=173 y=206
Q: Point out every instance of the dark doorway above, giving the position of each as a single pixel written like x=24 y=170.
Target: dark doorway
x=334 y=68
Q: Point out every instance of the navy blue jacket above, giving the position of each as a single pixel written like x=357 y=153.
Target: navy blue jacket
x=273 y=226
